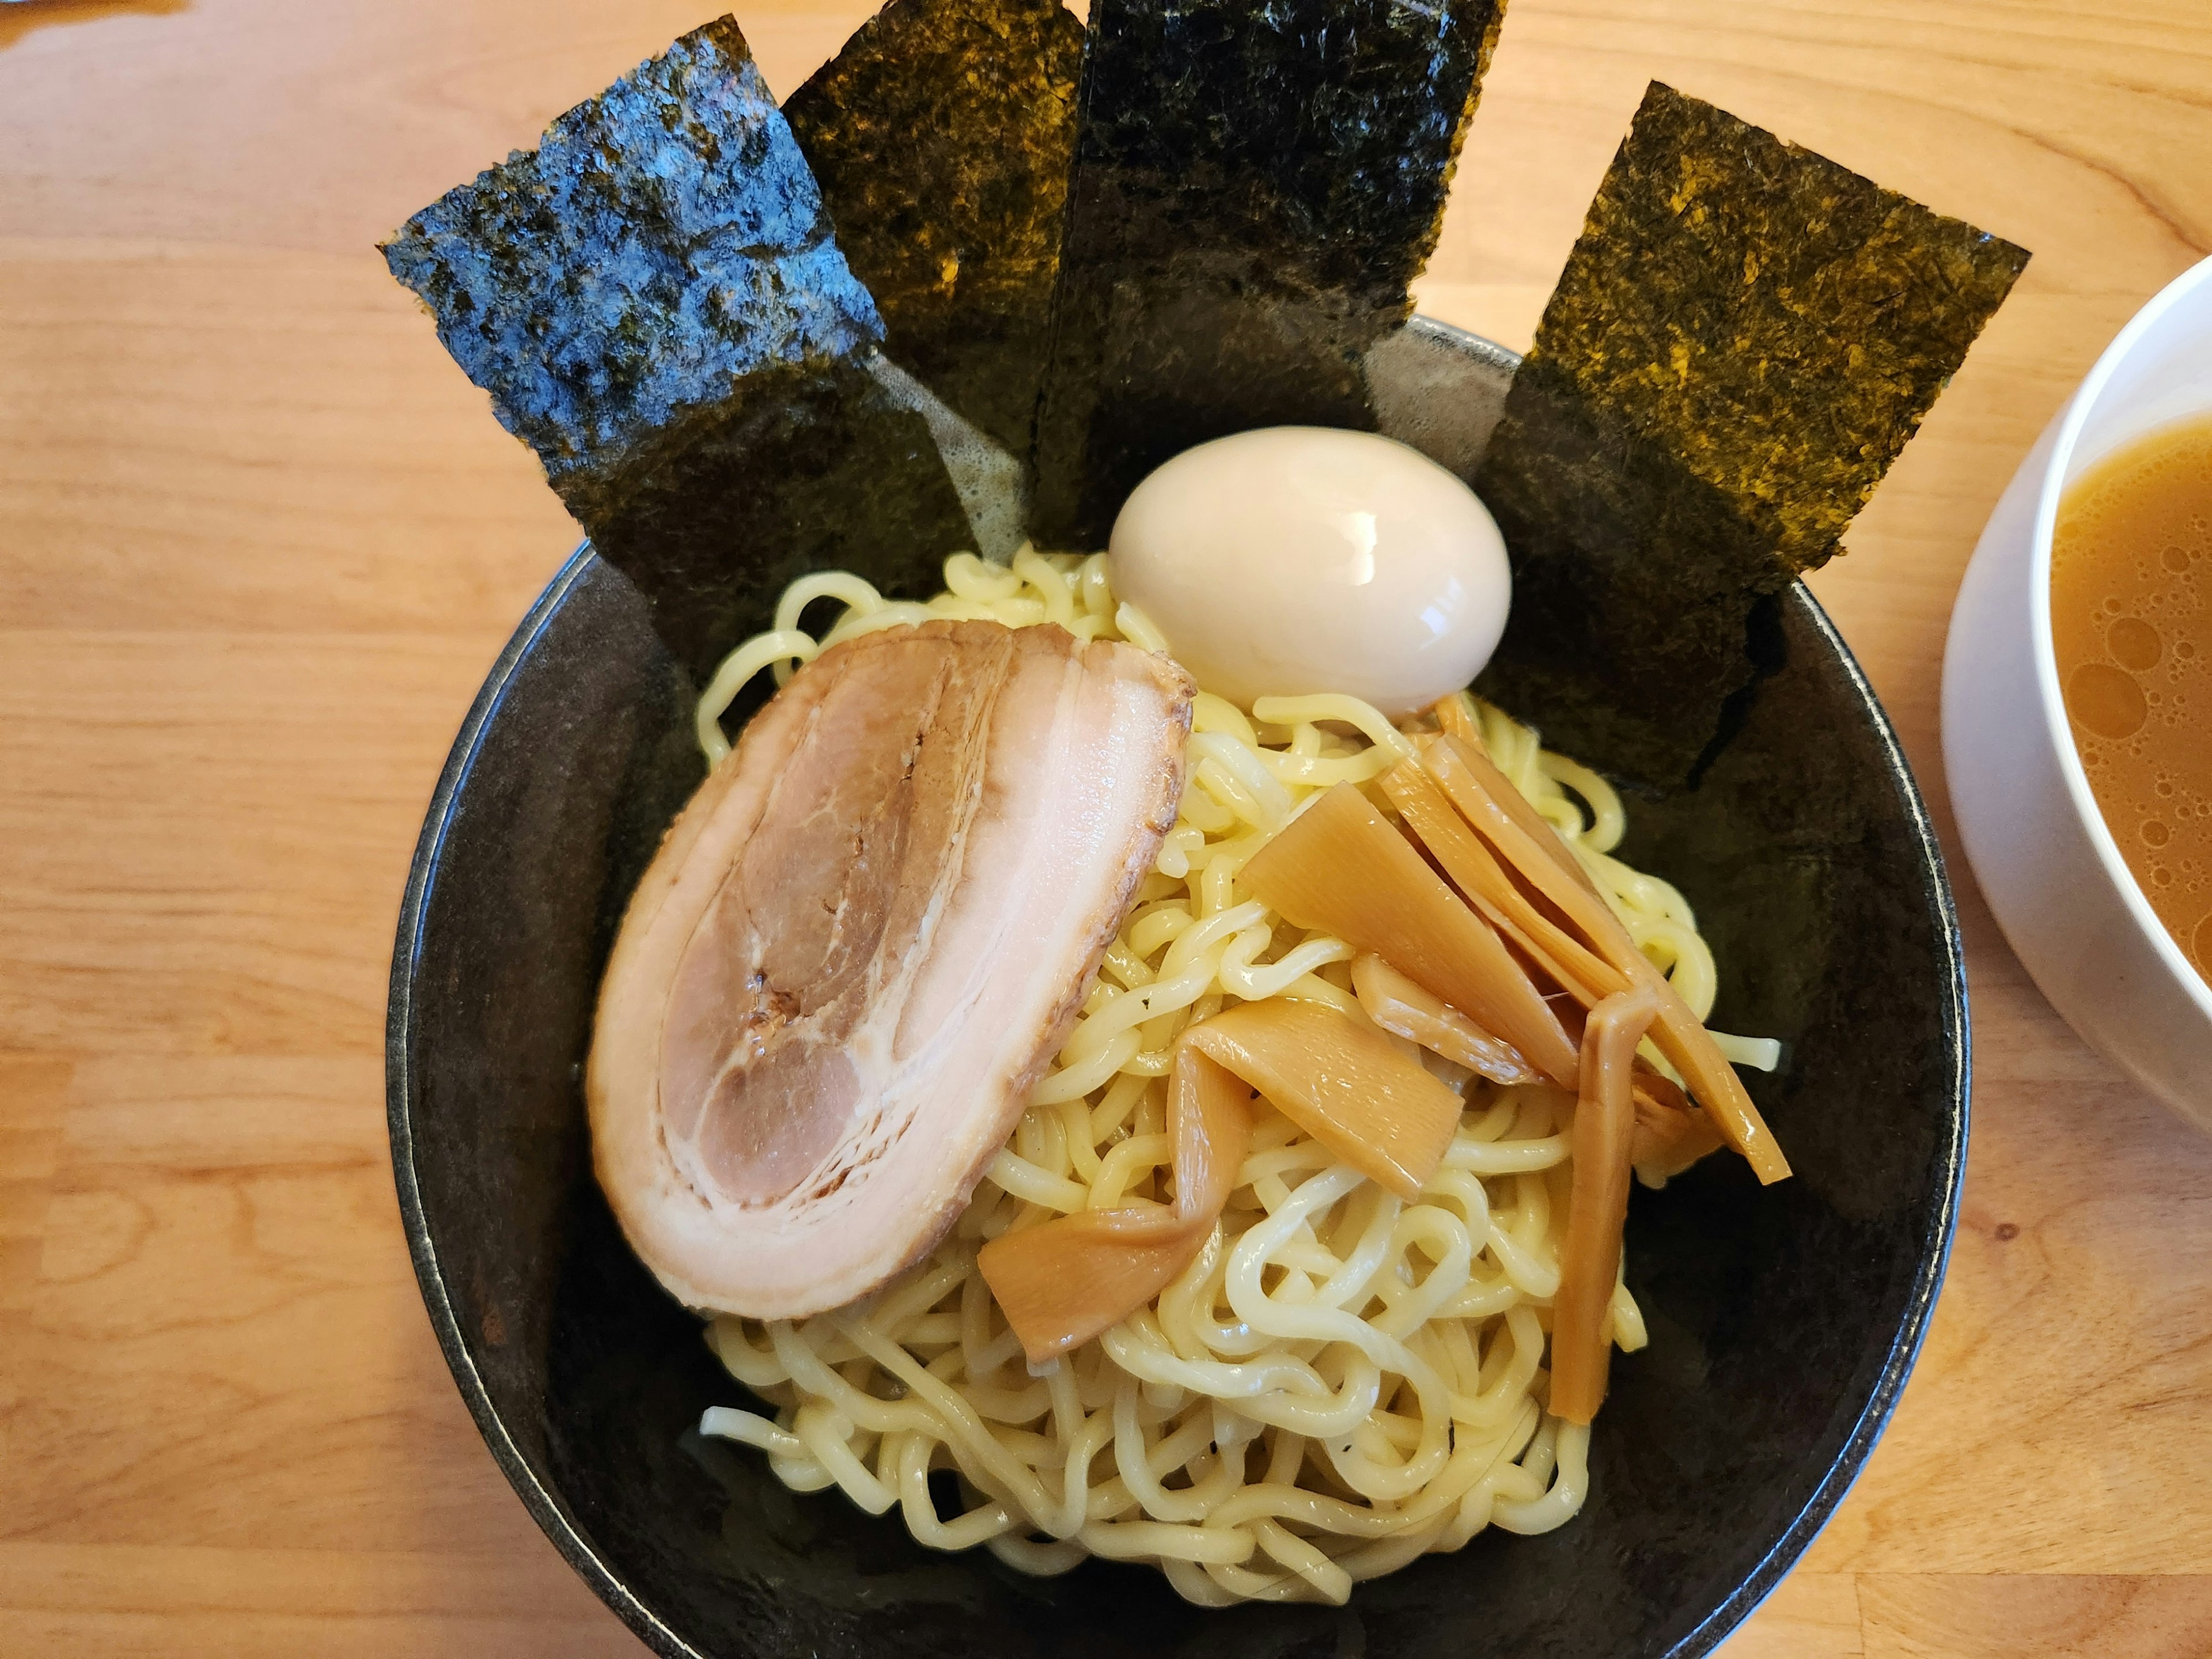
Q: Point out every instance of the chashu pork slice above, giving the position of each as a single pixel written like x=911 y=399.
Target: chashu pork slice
x=860 y=943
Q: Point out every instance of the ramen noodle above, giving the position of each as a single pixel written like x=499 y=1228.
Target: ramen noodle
x=1339 y=1381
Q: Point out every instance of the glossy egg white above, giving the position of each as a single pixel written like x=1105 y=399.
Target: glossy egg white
x=1296 y=560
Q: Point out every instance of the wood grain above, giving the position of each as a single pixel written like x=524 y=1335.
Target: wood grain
x=259 y=541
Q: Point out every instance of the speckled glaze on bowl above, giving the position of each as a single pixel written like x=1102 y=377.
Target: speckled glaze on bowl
x=1784 y=1320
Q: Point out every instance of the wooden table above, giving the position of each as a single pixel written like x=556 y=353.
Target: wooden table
x=259 y=541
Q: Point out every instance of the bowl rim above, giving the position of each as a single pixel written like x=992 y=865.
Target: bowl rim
x=1765 y=1575
x=2058 y=467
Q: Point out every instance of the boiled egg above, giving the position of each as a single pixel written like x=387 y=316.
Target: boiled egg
x=1297 y=560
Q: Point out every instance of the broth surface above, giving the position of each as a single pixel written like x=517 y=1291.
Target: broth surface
x=2131 y=625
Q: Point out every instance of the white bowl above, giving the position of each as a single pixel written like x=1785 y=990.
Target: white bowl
x=2049 y=867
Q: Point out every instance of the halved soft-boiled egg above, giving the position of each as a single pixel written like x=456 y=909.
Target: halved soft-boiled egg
x=1297 y=560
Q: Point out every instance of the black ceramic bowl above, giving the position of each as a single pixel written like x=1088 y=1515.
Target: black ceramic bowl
x=1782 y=1320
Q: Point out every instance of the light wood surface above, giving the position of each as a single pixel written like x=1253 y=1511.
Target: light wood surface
x=259 y=541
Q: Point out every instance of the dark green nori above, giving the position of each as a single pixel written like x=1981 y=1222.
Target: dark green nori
x=654 y=301
x=814 y=468
x=1256 y=183
x=942 y=135
x=1745 y=336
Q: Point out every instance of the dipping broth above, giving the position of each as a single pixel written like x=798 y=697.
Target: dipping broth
x=2131 y=625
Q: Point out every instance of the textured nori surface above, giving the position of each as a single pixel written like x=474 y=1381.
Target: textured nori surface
x=663 y=240
x=942 y=135
x=654 y=301
x=1745 y=336
x=1257 y=182
x=814 y=467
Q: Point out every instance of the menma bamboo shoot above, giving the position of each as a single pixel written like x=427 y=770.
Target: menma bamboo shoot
x=1342 y=868
x=1341 y=1081
x=1590 y=1261
x=1065 y=1280
x=1480 y=791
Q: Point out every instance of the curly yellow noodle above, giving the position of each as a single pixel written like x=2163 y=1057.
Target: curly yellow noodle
x=1340 y=1381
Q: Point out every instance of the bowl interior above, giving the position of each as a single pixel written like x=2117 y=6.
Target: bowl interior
x=1783 y=1320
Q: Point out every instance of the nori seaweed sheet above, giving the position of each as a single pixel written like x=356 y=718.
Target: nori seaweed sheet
x=655 y=303
x=1257 y=182
x=1744 y=338
x=942 y=135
